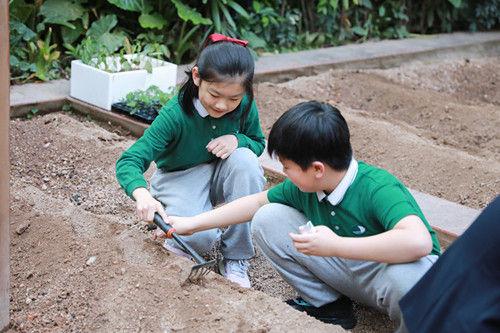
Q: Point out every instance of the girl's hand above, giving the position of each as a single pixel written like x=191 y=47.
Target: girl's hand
x=321 y=242
x=223 y=146
x=146 y=205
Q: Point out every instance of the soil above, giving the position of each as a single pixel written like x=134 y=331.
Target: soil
x=435 y=126
x=80 y=261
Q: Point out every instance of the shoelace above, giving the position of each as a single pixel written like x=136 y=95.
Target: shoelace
x=237 y=267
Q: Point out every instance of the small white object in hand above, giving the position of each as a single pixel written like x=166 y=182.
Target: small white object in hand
x=307 y=228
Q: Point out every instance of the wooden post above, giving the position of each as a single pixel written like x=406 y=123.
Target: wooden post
x=4 y=164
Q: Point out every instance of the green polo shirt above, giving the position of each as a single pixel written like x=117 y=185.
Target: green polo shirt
x=374 y=202
x=177 y=141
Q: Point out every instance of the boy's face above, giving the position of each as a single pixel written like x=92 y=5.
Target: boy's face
x=219 y=98
x=305 y=180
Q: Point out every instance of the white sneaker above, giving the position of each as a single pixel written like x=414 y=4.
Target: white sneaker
x=176 y=251
x=236 y=271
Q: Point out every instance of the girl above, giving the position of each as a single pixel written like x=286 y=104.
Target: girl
x=205 y=142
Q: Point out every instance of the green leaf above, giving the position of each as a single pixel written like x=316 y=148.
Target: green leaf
x=228 y=17
x=40 y=27
x=102 y=26
x=184 y=44
x=402 y=32
x=381 y=11
x=359 y=31
x=368 y=4
x=334 y=4
x=61 y=12
x=240 y=10
x=186 y=13
x=130 y=5
x=216 y=16
x=20 y=10
x=456 y=3
x=152 y=21
x=404 y=17
x=71 y=35
x=112 y=41
x=254 y=41
x=13 y=61
x=265 y=21
x=256 y=6
x=20 y=31
x=85 y=20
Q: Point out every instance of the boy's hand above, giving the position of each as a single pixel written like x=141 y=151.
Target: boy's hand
x=223 y=146
x=321 y=242
x=182 y=226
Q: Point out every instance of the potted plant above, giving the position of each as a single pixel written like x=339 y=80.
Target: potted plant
x=101 y=79
x=144 y=104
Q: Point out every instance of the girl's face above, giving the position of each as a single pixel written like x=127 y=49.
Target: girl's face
x=219 y=98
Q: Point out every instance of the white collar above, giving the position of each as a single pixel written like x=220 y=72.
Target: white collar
x=200 y=108
x=338 y=194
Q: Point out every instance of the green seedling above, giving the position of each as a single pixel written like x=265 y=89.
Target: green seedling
x=66 y=107
x=97 y=55
x=153 y=97
x=144 y=104
x=32 y=113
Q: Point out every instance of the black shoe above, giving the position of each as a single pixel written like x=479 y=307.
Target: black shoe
x=339 y=312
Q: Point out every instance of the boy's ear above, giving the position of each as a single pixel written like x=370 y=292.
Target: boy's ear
x=319 y=169
x=196 y=76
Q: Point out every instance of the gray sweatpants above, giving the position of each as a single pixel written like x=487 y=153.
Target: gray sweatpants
x=196 y=190
x=321 y=280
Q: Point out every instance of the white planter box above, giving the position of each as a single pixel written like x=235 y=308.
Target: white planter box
x=100 y=88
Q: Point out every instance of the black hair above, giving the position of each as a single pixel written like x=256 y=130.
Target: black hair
x=217 y=62
x=312 y=131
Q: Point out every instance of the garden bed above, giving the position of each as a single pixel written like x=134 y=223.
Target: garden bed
x=434 y=125
x=80 y=260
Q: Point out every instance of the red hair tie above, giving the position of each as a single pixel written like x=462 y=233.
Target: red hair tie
x=214 y=38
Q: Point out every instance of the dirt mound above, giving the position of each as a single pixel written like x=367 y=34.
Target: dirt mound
x=86 y=265
x=471 y=80
x=449 y=119
x=71 y=158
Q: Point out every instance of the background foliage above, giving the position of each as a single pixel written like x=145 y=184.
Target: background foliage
x=47 y=34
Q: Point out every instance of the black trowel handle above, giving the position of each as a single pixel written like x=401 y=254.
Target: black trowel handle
x=165 y=227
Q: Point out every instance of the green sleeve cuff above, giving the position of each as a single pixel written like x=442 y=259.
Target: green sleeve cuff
x=242 y=140
x=135 y=184
x=276 y=194
x=246 y=142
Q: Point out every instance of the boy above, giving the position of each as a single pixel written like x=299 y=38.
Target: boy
x=370 y=241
